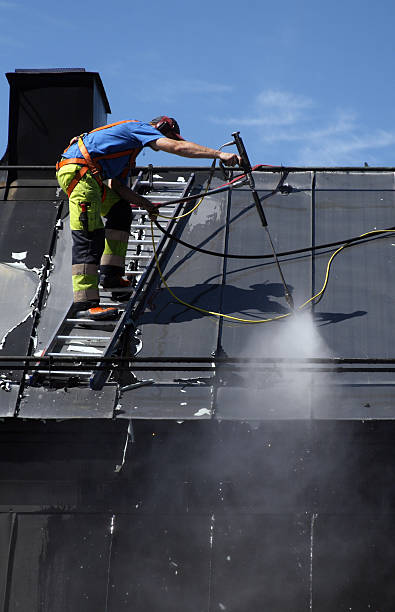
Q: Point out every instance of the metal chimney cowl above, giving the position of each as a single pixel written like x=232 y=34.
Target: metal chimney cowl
x=47 y=108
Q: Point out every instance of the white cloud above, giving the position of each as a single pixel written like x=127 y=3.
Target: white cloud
x=286 y=117
x=272 y=108
x=345 y=148
x=169 y=90
x=197 y=86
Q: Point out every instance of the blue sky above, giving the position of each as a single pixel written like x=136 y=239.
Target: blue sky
x=308 y=83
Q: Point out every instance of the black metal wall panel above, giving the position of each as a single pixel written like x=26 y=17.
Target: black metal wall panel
x=167 y=400
x=354 y=563
x=169 y=328
x=159 y=571
x=355 y=317
x=357 y=304
x=27 y=226
x=44 y=547
x=8 y=397
x=6 y=543
x=280 y=515
x=26 y=232
x=267 y=557
x=68 y=403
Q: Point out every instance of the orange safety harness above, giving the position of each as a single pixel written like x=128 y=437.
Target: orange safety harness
x=93 y=165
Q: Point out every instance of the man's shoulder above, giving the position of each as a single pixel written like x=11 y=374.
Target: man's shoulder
x=144 y=132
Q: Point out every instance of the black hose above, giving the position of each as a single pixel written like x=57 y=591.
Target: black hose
x=270 y=255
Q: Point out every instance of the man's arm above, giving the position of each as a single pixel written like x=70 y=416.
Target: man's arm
x=185 y=148
x=131 y=196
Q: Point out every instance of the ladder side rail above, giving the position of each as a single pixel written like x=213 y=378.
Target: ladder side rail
x=54 y=338
x=99 y=376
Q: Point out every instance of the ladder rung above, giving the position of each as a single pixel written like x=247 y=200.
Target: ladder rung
x=86 y=338
x=91 y=323
x=75 y=354
x=161 y=196
x=146 y=236
x=65 y=372
x=107 y=302
x=164 y=183
x=132 y=256
x=141 y=241
x=116 y=289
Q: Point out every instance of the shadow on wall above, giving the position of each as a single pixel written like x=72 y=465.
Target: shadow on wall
x=326 y=318
x=229 y=299
x=255 y=302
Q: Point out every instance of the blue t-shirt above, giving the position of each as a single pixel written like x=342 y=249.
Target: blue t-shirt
x=115 y=139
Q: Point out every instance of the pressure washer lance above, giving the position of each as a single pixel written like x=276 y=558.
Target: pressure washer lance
x=248 y=171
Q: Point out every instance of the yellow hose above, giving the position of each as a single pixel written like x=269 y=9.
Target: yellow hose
x=238 y=319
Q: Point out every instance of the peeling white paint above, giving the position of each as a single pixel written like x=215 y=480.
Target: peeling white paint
x=5 y=384
x=202 y=412
x=19 y=256
x=80 y=348
x=19 y=289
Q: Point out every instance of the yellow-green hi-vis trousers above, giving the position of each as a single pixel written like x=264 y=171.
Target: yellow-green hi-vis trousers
x=95 y=245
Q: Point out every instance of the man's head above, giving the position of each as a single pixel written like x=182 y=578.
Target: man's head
x=167 y=126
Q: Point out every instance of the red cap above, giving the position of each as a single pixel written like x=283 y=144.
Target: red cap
x=167 y=126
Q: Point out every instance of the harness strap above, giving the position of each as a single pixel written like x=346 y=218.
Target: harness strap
x=71 y=160
x=93 y=167
x=87 y=163
x=77 y=177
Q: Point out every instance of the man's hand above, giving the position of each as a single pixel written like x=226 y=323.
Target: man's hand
x=230 y=159
x=152 y=211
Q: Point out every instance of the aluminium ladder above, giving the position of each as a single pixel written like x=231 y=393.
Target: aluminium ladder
x=102 y=339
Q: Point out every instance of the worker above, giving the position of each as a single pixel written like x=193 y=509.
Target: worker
x=93 y=171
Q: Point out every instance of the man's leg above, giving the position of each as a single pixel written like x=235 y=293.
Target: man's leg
x=88 y=242
x=118 y=219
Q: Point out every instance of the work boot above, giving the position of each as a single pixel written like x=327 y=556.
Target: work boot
x=94 y=312
x=115 y=283
x=121 y=288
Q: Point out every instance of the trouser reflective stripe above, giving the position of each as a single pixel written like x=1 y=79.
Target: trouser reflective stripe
x=88 y=246
x=86 y=254
x=112 y=265
x=113 y=259
x=86 y=295
x=84 y=269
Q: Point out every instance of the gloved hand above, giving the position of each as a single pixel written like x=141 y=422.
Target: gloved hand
x=230 y=159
